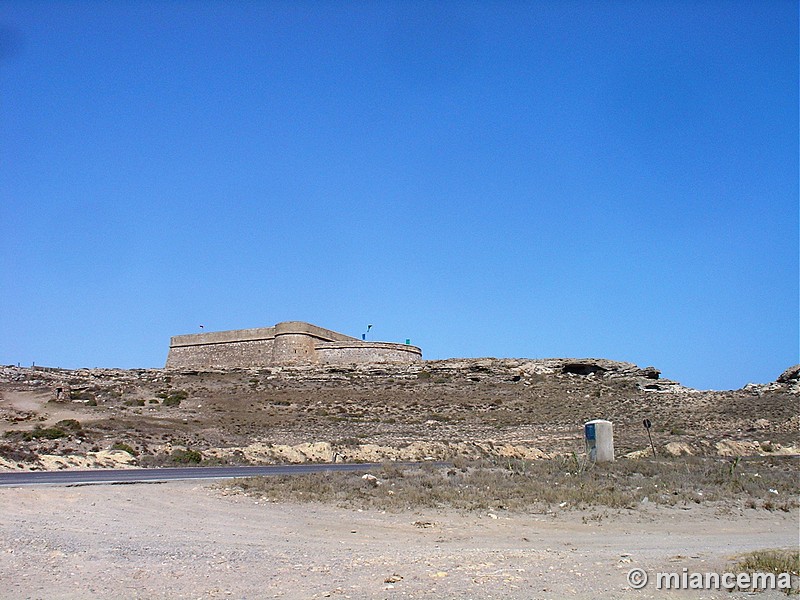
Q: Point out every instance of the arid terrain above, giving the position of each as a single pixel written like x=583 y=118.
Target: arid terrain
x=520 y=514
x=440 y=409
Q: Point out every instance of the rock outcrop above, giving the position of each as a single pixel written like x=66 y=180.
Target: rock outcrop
x=790 y=375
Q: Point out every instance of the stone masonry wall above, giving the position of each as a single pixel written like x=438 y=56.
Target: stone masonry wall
x=291 y=342
x=248 y=353
x=291 y=348
x=366 y=352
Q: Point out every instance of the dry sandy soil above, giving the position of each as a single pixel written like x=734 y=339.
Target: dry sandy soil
x=184 y=540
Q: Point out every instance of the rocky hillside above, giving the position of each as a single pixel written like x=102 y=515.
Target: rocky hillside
x=53 y=418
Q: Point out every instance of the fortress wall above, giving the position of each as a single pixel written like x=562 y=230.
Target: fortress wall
x=366 y=352
x=260 y=333
x=289 y=348
x=300 y=327
x=245 y=353
x=290 y=342
x=219 y=337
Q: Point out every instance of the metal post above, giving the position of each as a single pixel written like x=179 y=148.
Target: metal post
x=647 y=425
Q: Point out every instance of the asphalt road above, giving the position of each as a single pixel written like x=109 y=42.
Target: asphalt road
x=21 y=478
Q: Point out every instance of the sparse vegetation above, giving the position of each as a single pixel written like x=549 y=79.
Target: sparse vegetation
x=70 y=425
x=397 y=412
x=185 y=457
x=772 y=561
x=173 y=398
x=125 y=447
x=540 y=485
x=48 y=433
x=18 y=455
x=178 y=457
x=39 y=433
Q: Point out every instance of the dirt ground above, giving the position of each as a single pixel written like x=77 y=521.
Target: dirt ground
x=184 y=540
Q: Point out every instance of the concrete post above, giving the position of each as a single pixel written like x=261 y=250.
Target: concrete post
x=599 y=436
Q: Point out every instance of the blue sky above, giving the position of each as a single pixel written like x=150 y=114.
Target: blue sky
x=511 y=179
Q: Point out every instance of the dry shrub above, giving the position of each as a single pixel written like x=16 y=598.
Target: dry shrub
x=18 y=455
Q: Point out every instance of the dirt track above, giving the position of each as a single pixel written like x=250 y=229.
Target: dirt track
x=182 y=540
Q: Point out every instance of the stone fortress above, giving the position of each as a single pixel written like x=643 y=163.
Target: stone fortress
x=287 y=343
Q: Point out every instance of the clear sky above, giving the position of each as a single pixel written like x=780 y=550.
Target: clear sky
x=509 y=179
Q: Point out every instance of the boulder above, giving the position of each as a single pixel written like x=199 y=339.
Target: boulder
x=790 y=375
x=650 y=373
x=678 y=449
x=736 y=448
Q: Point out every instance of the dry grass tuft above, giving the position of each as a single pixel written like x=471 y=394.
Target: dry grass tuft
x=772 y=561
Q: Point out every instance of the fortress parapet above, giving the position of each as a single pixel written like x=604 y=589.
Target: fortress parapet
x=287 y=343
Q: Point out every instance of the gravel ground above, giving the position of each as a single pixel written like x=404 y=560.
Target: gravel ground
x=185 y=540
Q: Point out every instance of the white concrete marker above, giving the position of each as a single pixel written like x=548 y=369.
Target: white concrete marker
x=599 y=436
